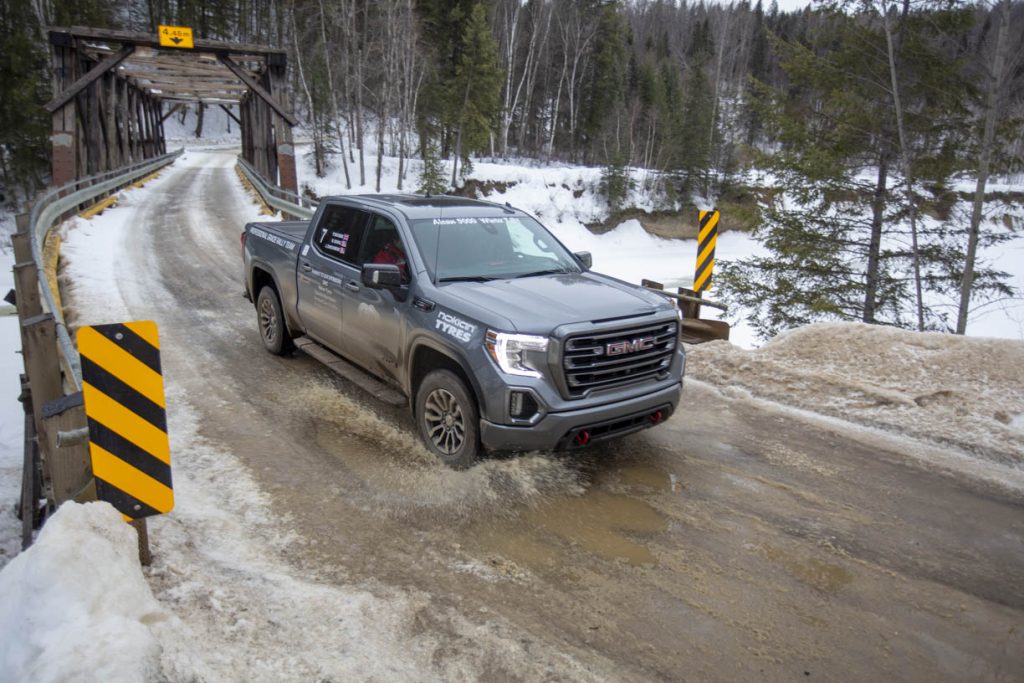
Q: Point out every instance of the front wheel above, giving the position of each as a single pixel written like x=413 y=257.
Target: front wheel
x=270 y=320
x=446 y=415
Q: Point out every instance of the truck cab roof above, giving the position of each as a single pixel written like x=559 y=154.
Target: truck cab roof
x=430 y=206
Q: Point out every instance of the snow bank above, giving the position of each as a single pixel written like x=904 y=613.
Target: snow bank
x=78 y=604
x=964 y=392
x=12 y=421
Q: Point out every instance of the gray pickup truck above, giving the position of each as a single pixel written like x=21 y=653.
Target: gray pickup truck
x=471 y=313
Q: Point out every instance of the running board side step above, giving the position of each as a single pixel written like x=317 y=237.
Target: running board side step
x=354 y=374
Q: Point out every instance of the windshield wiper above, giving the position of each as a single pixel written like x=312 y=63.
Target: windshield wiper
x=467 y=278
x=549 y=271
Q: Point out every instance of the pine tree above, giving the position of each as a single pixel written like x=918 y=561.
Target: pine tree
x=616 y=182
x=836 y=231
x=24 y=126
x=607 y=88
x=697 y=123
x=432 y=176
x=476 y=88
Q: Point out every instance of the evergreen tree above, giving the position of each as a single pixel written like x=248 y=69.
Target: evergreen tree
x=616 y=182
x=432 y=176
x=607 y=88
x=476 y=88
x=836 y=232
x=697 y=132
x=24 y=125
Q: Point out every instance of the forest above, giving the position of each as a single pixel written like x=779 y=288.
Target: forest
x=844 y=131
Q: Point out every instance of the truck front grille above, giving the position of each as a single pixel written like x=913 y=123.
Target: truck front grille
x=615 y=357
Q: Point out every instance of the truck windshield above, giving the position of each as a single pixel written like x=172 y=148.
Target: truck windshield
x=489 y=248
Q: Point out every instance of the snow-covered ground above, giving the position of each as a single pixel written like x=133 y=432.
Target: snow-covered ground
x=12 y=420
x=952 y=391
x=218 y=128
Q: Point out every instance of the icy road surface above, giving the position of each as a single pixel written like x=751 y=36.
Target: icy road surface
x=314 y=539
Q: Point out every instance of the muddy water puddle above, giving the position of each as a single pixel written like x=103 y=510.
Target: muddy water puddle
x=824 y=576
x=610 y=521
x=533 y=509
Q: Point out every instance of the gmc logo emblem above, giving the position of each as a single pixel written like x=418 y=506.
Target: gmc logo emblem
x=619 y=348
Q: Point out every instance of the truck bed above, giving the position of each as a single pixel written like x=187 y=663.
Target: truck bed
x=294 y=230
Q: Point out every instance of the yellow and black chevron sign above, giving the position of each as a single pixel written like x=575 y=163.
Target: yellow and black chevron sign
x=706 y=238
x=123 y=390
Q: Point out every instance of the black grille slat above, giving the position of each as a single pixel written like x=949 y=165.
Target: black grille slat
x=664 y=328
x=594 y=362
x=598 y=349
x=587 y=366
x=650 y=364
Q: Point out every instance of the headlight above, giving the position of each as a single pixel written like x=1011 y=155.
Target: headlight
x=509 y=351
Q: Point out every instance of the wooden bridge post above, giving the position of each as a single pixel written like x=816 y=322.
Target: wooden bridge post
x=287 y=178
x=64 y=139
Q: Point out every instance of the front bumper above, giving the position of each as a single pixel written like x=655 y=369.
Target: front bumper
x=557 y=430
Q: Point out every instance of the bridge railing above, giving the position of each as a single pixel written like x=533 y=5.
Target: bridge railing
x=275 y=197
x=56 y=463
x=55 y=203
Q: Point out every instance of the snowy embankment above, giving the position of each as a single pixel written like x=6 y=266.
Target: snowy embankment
x=960 y=393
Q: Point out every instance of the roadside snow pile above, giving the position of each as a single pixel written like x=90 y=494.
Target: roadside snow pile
x=956 y=391
x=12 y=420
x=75 y=604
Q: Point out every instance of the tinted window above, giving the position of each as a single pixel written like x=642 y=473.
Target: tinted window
x=384 y=245
x=340 y=232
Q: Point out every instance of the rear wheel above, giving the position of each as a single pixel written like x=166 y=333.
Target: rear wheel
x=270 y=320
x=447 y=417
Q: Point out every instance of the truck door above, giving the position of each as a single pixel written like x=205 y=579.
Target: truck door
x=373 y=332
x=321 y=272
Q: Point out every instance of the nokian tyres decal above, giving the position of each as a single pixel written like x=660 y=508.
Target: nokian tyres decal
x=454 y=326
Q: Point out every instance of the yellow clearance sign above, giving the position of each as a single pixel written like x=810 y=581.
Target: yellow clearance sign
x=175 y=36
x=123 y=390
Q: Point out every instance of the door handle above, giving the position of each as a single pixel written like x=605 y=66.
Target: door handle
x=352 y=286
x=306 y=267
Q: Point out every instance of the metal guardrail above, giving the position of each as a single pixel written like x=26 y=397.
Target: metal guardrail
x=276 y=197
x=53 y=204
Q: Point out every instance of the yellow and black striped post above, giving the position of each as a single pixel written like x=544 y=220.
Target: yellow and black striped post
x=706 y=238
x=123 y=390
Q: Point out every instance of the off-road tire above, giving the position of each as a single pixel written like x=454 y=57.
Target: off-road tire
x=270 y=322
x=448 y=420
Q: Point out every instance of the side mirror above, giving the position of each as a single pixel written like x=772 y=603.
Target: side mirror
x=382 y=276
x=585 y=259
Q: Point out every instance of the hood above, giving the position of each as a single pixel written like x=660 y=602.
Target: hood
x=540 y=304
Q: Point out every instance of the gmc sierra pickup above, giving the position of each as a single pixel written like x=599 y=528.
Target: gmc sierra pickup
x=471 y=313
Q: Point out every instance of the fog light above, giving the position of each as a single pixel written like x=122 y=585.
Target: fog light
x=521 y=405
x=515 y=406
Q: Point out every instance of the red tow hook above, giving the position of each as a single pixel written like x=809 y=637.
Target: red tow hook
x=583 y=438
x=656 y=417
